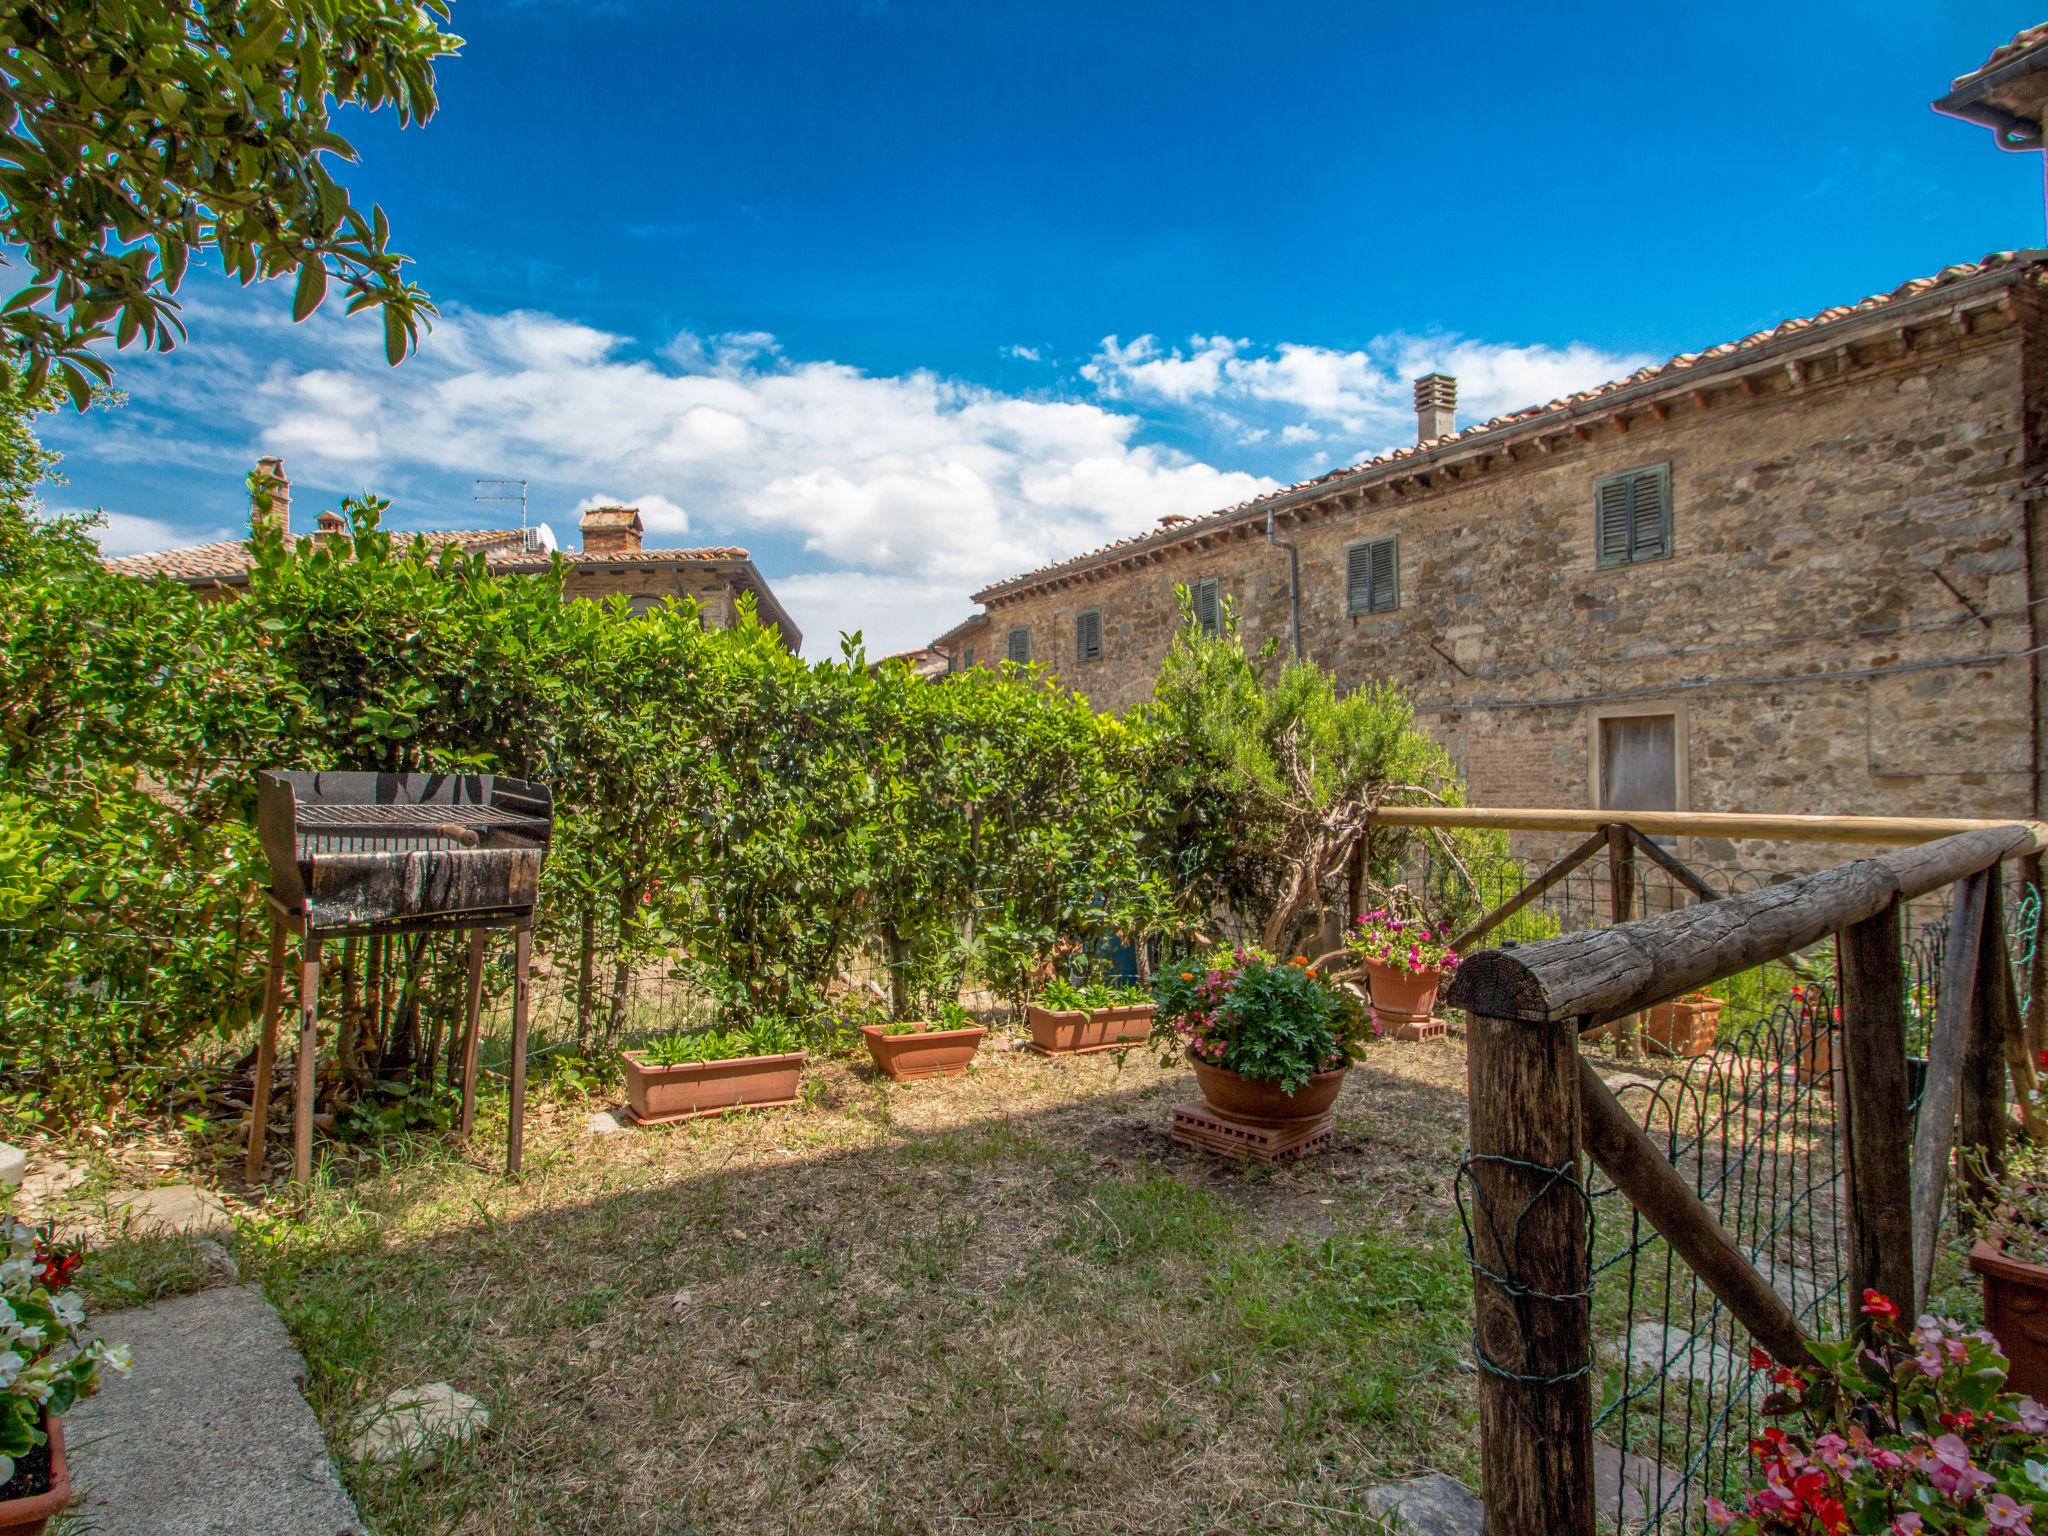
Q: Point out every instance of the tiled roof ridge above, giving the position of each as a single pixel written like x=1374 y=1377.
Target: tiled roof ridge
x=2025 y=40
x=229 y=559
x=225 y=558
x=1393 y=460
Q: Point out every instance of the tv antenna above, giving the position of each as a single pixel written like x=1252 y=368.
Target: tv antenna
x=507 y=492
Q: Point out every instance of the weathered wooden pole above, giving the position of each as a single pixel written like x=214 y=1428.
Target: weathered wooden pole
x=1934 y=1129
x=522 y=956
x=1980 y=1100
x=472 y=1029
x=1531 y=1278
x=2037 y=962
x=1875 y=1125
x=1625 y=1034
x=266 y=1051
x=308 y=1063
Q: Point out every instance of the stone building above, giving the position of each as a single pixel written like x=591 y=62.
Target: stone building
x=1800 y=572
x=611 y=562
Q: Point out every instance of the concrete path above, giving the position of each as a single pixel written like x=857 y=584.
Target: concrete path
x=208 y=1435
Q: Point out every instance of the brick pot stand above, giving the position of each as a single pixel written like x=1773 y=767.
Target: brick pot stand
x=1256 y=1122
x=657 y=1095
x=1073 y=1032
x=2016 y=1312
x=1404 y=1002
x=28 y=1515
x=922 y=1052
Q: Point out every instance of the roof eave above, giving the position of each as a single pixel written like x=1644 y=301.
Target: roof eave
x=1884 y=317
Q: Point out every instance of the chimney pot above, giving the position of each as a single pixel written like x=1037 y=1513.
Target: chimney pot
x=1436 y=407
x=1174 y=520
x=270 y=499
x=611 y=531
x=333 y=523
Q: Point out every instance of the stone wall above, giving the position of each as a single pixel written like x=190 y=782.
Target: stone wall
x=1810 y=514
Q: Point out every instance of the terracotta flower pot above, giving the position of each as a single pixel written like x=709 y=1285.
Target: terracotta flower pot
x=1816 y=1057
x=923 y=1053
x=656 y=1093
x=2016 y=1312
x=1057 y=1032
x=28 y=1516
x=1403 y=997
x=1239 y=1098
x=1682 y=1027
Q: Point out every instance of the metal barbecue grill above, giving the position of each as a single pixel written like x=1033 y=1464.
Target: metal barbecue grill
x=364 y=855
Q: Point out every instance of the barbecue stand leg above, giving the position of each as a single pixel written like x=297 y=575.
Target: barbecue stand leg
x=266 y=1052
x=471 y=1029
x=522 y=953
x=309 y=1048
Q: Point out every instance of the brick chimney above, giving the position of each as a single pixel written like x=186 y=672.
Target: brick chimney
x=1436 y=407
x=270 y=499
x=333 y=525
x=611 y=531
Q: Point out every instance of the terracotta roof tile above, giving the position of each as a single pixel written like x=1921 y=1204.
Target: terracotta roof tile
x=230 y=561
x=2025 y=39
x=1673 y=372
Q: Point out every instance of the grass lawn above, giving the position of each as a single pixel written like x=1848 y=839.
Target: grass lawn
x=1003 y=1303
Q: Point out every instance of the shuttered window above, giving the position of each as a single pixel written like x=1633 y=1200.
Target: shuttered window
x=1088 y=636
x=1632 y=515
x=1208 y=596
x=1372 y=576
x=966 y=658
x=1020 y=646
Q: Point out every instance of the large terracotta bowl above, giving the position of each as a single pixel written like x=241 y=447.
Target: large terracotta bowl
x=1238 y=1098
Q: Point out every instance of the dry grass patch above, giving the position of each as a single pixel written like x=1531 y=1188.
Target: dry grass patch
x=1004 y=1301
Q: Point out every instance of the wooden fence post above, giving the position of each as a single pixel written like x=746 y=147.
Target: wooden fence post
x=1980 y=1107
x=1875 y=1125
x=1531 y=1277
x=1948 y=1047
x=2037 y=962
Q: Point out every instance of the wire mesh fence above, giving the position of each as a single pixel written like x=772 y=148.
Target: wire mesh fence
x=1751 y=1126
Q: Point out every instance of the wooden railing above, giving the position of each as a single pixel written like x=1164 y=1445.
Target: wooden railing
x=1536 y=1107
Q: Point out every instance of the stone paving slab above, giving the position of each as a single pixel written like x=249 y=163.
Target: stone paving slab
x=208 y=1435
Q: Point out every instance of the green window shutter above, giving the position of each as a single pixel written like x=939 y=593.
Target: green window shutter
x=1088 y=636
x=1632 y=515
x=1372 y=576
x=1209 y=606
x=1020 y=646
x=1650 y=528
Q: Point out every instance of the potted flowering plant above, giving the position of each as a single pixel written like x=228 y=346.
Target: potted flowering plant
x=912 y=1048
x=2010 y=1259
x=46 y=1365
x=1069 y=1018
x=709 y=1071
x=1406 y=959
x=1910 y=1435
x=1270 y=1042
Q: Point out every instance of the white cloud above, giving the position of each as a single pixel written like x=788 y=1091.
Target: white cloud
x=123 y=533
x=1024 y=354
x=1305 y=392
x=917 y=488
x=659 y=513
x=897 y=494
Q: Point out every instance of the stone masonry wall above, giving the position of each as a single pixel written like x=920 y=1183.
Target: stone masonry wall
x=1808 y=521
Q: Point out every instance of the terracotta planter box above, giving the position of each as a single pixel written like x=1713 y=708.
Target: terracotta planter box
x=1816 y=1058
x=1682 y=1027
x=1402 y=997
x=1071 y=1032
x=923 y=1053
x=658 y=1094
x=28 y=1516
x=1240 y=1099
x=2016 y=1312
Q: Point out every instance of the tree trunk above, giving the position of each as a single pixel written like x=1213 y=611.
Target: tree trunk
x=896 y=954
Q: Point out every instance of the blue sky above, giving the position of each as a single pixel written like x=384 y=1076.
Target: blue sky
x=908 y=295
